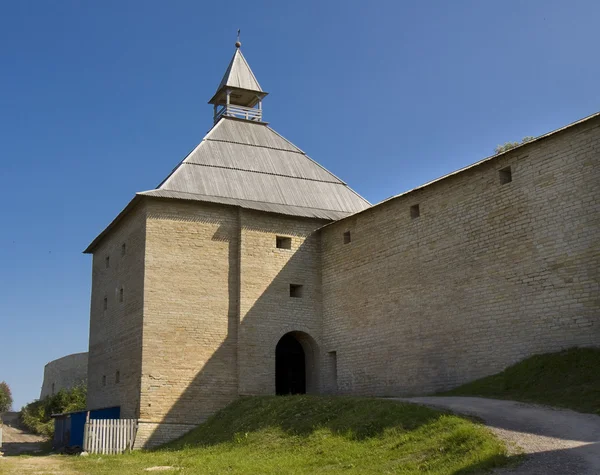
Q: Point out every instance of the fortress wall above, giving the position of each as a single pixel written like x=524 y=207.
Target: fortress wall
x=64 y=373
x=267 y=312
x=487 y=275
x=116 y=333
x=190 y=316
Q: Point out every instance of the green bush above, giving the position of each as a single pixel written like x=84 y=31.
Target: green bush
x=36 y=415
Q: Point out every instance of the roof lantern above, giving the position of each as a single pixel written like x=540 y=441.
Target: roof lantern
x=239 y=94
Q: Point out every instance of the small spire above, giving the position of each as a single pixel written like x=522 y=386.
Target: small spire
x=238 y=43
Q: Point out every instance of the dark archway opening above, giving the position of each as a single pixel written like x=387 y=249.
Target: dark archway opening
x=290 y=366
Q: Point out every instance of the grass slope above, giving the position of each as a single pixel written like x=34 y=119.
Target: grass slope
x=570 y=379
x=310 y=434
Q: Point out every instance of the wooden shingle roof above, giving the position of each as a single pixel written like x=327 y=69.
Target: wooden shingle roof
x=249 y=164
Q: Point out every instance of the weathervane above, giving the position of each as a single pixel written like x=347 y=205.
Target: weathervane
x=238 y=43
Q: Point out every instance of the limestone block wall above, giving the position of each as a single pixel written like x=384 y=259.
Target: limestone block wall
x=267 y=312
x=116 y=313
x=189 y=368
x=64 y=373
x=486 y=275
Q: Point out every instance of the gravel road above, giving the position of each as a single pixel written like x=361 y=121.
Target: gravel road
x=556 y=441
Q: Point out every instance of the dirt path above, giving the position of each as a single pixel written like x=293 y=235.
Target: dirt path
x=556 y=441
x=15 y=438
x=17 y=441
x=45 y=465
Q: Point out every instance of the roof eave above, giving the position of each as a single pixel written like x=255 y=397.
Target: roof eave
x=262 y=94
x=142 y=195
x=247 y=204
x=231 y=117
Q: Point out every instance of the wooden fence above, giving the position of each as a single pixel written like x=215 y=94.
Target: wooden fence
x=109 y=436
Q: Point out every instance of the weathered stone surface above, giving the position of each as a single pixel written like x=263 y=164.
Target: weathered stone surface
x=190 y=311
x=116 y=333
x=487 y=275
x=64 y=373
x=267 y=312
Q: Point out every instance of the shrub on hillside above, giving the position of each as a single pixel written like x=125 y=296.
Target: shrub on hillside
x=36 y=415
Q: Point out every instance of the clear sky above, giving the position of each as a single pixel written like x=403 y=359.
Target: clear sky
x=99 y=100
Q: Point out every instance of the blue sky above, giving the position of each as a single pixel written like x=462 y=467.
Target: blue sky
x=99 y=100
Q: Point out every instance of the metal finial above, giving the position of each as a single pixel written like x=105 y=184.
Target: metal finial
x=238 y=43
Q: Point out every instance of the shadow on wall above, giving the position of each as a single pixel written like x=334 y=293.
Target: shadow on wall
x=261 y=332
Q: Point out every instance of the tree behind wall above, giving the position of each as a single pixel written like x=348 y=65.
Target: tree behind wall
x=36 y=415
x=509 y=145
x=6 y=399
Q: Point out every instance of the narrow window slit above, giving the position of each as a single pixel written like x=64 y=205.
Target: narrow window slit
x=505 y=175
x=334 y=370
x=415 y=212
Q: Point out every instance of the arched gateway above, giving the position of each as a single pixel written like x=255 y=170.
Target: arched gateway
x=296 y=364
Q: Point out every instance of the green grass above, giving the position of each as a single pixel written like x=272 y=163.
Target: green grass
x=569 y=379
x=310 y=434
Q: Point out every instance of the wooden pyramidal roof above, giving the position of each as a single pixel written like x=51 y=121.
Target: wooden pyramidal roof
x=245 y=163
x=248 y=164
x=239 y=74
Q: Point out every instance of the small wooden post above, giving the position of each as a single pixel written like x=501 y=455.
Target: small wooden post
x=259 y=108
x=86 y=430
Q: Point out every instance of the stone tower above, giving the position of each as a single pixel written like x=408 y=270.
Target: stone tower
x=252 y=270
x=196 y=281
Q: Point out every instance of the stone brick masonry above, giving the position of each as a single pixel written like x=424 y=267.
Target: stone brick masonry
x=267 y=312
x=487 y=274
x=115 y=325
x=190 y=314
x=64 y=373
